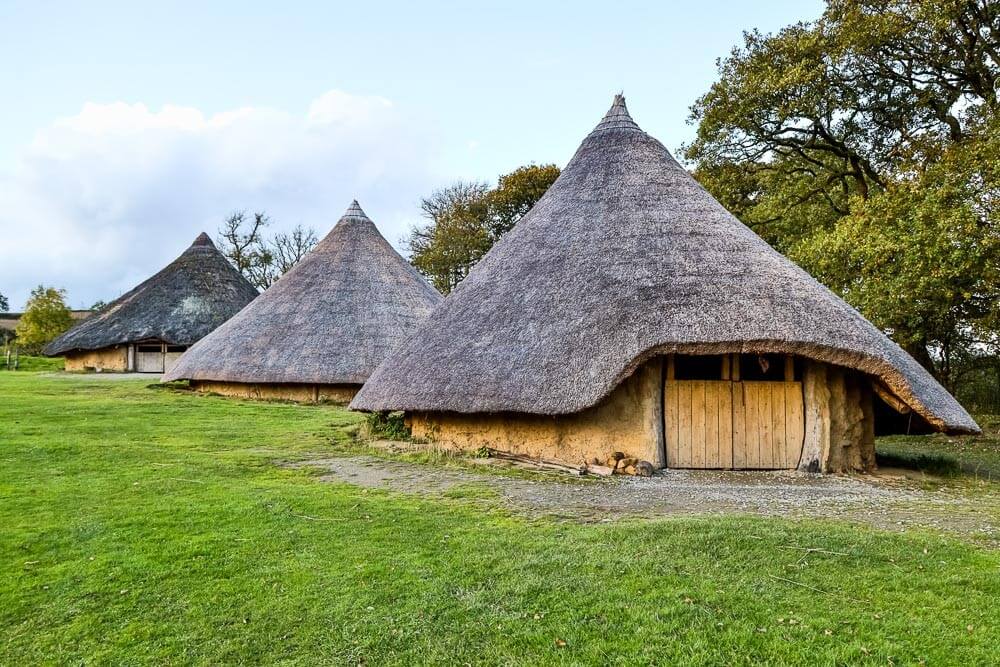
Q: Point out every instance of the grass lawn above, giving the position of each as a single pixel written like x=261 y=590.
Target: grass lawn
x=29 y=363
x=151 y=526
x=977 y=455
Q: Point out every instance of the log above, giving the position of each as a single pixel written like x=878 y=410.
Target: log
x=547 y=464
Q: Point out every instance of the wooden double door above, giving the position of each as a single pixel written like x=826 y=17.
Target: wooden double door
x=733 y=424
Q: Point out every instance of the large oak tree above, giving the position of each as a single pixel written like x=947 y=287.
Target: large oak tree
x=865 y=146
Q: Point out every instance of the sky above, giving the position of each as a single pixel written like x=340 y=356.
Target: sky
x=130 y=127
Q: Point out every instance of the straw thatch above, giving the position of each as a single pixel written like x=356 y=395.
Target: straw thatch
x=330 y=320
x=194 y=294
x=625 y=257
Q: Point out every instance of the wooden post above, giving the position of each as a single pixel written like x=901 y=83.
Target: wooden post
x=735 y=368
x=789 y=368
x=725 y=367
x=670 y=368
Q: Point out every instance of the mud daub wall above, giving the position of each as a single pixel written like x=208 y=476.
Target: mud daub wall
x=114 y=359
x=628 y=420
x=302 y=393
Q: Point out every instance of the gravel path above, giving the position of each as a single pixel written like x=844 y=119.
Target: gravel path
x=886 y=502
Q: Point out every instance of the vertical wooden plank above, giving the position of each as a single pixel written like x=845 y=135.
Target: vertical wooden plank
x=739 y=427
x=684 y=424
x=712 y=424
x=734 y=367
x=671 y=419
x=764 y=424
x=698 y=424
x=777 y=390
x=751 y=434
x=670 y=368
x=795 y=427
x=725 y=366
x=789 y=368
x=726 y=424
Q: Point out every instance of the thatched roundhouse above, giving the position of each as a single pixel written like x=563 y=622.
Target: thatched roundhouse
x=629 y=311
x=322 y=328
x=148 y=328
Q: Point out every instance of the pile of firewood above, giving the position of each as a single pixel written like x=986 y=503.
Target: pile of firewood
x=619 y=464
x=616 y=464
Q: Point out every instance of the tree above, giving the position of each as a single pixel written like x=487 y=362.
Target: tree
x=4 y=304
x=456 y=237
x=98 y=305
x=863 y=145
x=45 y=317
x=261 y=260
x=466 y=219
x=289 y=249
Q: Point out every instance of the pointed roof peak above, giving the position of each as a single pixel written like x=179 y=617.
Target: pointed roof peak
x=203 y=239
x=617 y=117
x=355 y=211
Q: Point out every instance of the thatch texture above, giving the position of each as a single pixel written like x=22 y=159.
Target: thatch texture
x=194 y=294
x=625 y=257
x=330 y=320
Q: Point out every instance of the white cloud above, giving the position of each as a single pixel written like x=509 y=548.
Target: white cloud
x=101 y=200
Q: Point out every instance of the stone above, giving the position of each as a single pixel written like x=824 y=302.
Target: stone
x=627 y=461
x=617 y=456
x=644 y=469
x=628 y=470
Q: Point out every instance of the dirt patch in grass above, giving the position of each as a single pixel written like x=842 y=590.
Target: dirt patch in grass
x=888 y=501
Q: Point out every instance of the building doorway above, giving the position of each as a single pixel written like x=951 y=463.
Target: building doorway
x=733 y=411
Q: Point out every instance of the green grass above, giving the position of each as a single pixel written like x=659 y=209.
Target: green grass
x=29 y=363
x=942 y=454
x=149 y=526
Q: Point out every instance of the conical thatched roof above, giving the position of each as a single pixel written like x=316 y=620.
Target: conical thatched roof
x=194 y=294
x=625 y=257
x=330 y=320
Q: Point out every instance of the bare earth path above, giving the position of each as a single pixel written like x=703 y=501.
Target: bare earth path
x=887 y=502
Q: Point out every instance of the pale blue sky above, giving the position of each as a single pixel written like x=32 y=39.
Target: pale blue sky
x=237 y=111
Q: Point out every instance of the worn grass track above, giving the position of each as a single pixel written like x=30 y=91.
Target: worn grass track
x=147 y=526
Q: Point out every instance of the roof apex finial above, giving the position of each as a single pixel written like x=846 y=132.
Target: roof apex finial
x=354 y=211
x=617 y=117
x=203 y=239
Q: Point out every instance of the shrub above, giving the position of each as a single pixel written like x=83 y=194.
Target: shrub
x=388 y=425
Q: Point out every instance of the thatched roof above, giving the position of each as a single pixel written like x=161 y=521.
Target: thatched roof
x=330 y=320
x=194 y=294
x=9 y=321
x=625 y=257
